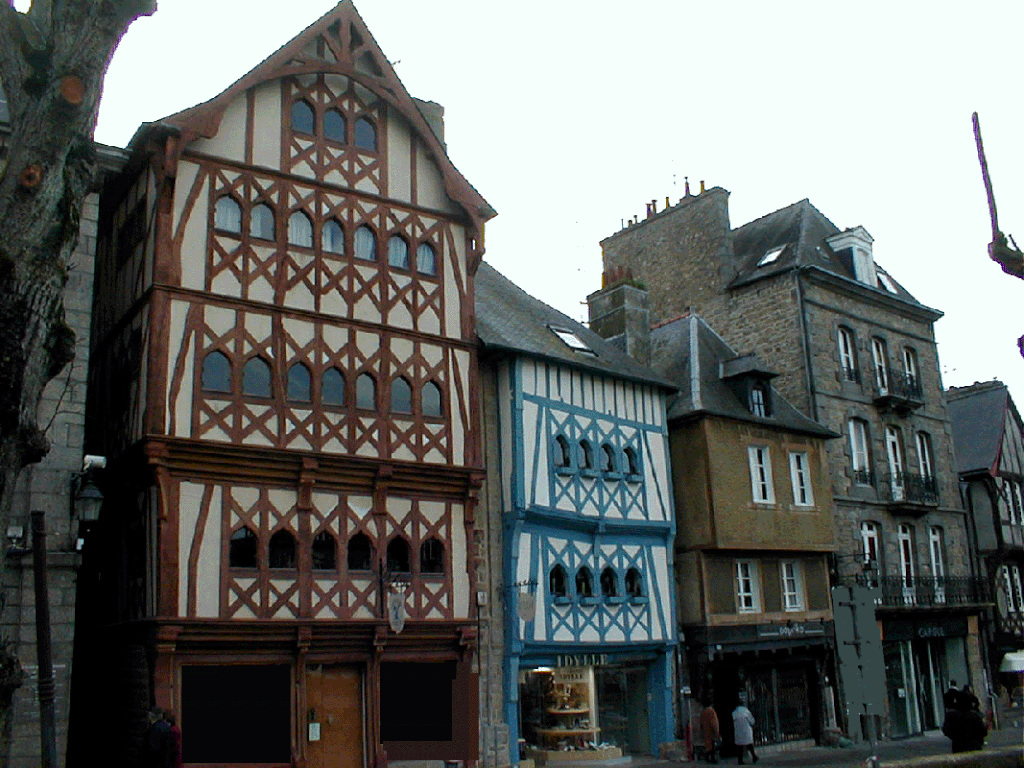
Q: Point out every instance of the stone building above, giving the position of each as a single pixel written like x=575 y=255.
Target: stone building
x=856 y=353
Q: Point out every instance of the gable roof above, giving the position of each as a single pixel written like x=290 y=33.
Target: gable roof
x=689 y=352
x=339 y=42
x=510 y=319
x=978 y=415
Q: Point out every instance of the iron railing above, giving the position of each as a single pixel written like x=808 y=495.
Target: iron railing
x=900 y=384
x=926 y=591
x=864 y=477
x=914 y=488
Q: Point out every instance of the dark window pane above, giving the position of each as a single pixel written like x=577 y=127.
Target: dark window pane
x=366 y=135
x=302 y=117
x=432 y=556
x=227 y=215
x=398 y=555
x=333 y=237
x=366 y=392
x=334 y=126
x=300 y=230
x=256 y=378
x=586 y=455
x=366 y=244
x=417 y=700
x=398 y=252
x=609 y=583
x=325 y=552
x=426 y=260
x=217 y=372
x=632 y=465
x=584 y=583
x=431 y=397
x=282 y=550
x=242 y=549
x=634 y=583
x=360 y=553
x=607 y=459
x=562 y=457
x=332 y=387
x=401 y=396
x=261 y=222
x=556 y=581
x=299 y=383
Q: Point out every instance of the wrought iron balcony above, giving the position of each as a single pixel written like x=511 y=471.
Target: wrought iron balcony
x=926 y=591
x=901 y=393
x=910 y=493
x=863 y=477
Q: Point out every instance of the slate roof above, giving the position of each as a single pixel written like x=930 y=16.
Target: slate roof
x=689 y=352
x=510 y=319
x=802 y=229
x=977 y=414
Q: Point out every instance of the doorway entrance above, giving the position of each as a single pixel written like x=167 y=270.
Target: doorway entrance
x=334 y=703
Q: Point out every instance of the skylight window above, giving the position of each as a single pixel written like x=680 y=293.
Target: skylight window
x=886 y=282
x=771 y=256
x=571 y=340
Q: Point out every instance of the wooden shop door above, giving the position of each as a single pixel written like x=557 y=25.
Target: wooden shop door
x=334 y=699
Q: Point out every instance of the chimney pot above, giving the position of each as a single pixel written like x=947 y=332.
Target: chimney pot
x=702 y=186
x=686 y=181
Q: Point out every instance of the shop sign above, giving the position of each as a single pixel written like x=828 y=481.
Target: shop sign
x=581 y=659
x=526 y=605
x=790 y=630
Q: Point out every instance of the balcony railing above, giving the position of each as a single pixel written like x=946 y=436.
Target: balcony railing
x=927 y=591
x=863 y=477
x=911 y=488
x=902 y=392
x=851 y=374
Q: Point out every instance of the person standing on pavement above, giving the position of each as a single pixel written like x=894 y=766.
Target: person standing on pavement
x=709 y=729
x=743 y=725
x=951 y=698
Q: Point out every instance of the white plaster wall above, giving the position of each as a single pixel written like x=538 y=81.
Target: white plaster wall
x=193 y=244
x=399 y=157
x=266 y=141
x=180 y=348
x=229 y=141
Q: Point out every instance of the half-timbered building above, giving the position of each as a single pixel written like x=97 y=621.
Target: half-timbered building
x=580 y=472
x=283 y=380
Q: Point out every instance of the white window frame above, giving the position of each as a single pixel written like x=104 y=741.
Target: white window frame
x=800 y=476
x=792 y=585
x=894 y=451
x=748 y=587
x=1018 y=591
x=762 y=489
x=1017 y=503
x=847 y=350
x=910 y=364
x=936 y=550
x=925 y=459
x=908 y=571
x=758 y=397
x=859 y=445
x=880 y=356
x=870 y=541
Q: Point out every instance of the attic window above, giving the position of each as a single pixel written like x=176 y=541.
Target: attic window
x=571 y=340
x=886 y=282
x=771 y=256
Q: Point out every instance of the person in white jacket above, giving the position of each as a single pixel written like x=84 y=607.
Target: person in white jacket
x=743 y=726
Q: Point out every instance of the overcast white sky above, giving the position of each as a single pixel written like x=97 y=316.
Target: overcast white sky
x=568 y=115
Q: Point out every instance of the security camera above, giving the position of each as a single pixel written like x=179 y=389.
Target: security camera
x=93 y=462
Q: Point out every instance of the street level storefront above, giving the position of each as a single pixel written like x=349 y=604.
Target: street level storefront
x=609 y=704
x=781 y=668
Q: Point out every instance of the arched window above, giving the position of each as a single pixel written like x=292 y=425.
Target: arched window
x=632 y=461
x=360 y=553
x=586 y=455
x=401 y=396
x=584 y=582
x=227 y=215
x=562 y=456
x=607 y=458
x=426 y=259
x=557 y=582
x=609 y=583
x=333 y=238
x=282 y=550
x=300 y=230
x=334 y=126
x=217 y=372
x=398 y=252
x=398 y=555
x=366 y=135
x=332 y=387
x=242 y=548
x=634 y=583
x=366 y=244
x=302 y=117
x=431 y=400
x=261 y=222
x=256 y=378
x=324 y=552
x=432 y=556
x=299 y=383
x=366 y=392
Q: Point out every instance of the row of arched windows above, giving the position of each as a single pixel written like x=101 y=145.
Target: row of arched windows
x=331 y=390
x=333 y=126
x=261 y=224
x=282 y=552
x=607 y=459
x=558 y=583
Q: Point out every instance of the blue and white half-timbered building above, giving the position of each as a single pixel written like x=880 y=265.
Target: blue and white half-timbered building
x=579 y=447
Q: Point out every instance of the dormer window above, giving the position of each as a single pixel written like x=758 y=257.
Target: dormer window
x=757 y=401
x=853 y=247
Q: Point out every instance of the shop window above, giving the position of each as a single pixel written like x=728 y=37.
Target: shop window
x=256 y=378
x=432 y=556
x=242 y=548
x=366 y=392
x=366 y=135
x=557 y=582
x=360 y=553
x=261 y=222
x=586 y=455
x=332 y=387
x=401 y=396
x=609 y=583
x=632 y=461
x=299 y=383
x=303 y=120
x=398 y=555
x=282 y=550
x=562 y=455
x=227 y=215
x=398 y=252
x=431 y=397
x=216 y=372
x=584 y=582
x=426 y=259
x=300 y=230
x=333 y=238
x=366 y=244
x=607 y=458
x=324 y=552
x=418 y=702
x=634 y=583
x=334 y=126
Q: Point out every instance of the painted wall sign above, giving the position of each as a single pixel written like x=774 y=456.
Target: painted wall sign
x=581 y=660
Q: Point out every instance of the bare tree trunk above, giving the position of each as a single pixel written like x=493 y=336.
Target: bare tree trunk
x=53 y=59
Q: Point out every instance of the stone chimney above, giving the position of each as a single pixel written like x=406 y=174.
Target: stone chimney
x=619 y=312
x=433 y=113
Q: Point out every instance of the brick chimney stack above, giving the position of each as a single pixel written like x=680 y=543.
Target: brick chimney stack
x=619 y=313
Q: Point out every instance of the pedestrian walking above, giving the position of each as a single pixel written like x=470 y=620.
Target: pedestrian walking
x=710 y=730
x=743 y=726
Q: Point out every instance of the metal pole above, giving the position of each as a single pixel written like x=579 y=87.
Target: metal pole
x=47 y=718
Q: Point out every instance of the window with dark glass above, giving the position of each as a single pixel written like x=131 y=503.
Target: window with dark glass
x=758 y=404
x=227 y=215
x=242 y=548
x=431 y=397
x=426 y=259
x=324 y=552
x=432 y=556
x=299 y=383
x=632 y=461
x=217 y=372
x=282 y=550
x=261 y=222
x=333 y=238
x=360 y=553
x=302 y=117
x=398 y=252
x=609 y=583
x=334 y=126
x=586 y=455
x=366 y=244
x=562 y=456
x=300 y=230
x=398 y=555
x=366 y=134
x=557 y=582
x=366 y=392
x=607 y=458
x=256 y=378
x=332 y=387
x=634 y=583
x=584 y=582
x=401 y=396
